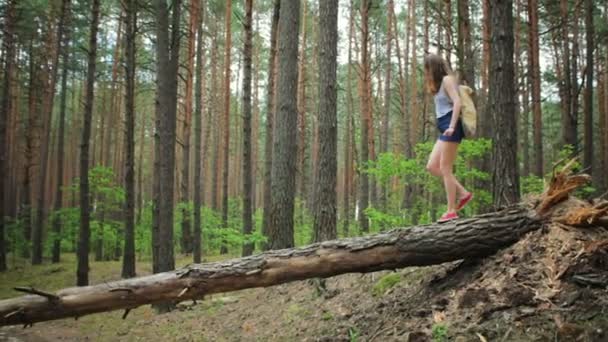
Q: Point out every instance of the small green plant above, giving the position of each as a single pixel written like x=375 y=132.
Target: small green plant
x=385 y=283
x=440 y=332
x=327 y=316
x=353 y=334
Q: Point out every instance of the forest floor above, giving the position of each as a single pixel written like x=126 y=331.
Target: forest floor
x=550 y=286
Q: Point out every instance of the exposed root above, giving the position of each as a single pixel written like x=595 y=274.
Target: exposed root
x=586 y=217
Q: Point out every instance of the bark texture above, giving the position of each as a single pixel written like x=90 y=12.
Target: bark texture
x=84 y=234
x=324 y=225
x=285 y=147
x=505 y=174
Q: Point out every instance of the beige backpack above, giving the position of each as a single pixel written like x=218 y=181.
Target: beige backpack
x=468 y=112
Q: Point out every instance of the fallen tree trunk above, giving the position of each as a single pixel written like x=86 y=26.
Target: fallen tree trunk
x=475 y=237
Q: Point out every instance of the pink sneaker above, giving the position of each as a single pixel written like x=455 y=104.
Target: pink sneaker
x=447 y=217
x=463 y=201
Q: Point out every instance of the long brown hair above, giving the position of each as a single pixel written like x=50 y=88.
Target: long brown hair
x=435 y=69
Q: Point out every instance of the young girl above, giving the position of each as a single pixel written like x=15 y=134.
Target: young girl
x=444 y=86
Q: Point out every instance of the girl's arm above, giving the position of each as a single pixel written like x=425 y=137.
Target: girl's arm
x=450 y=87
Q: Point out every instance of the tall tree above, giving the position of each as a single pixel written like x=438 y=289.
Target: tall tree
x=128 y=262
x=285 y=148
x=85 y=196
x=302 y=153
x=226 y=124
x=348 y=155
x=198 y=151
x=534 y=70
x=8 y=41
x=186 y=242
x=324 y=225
x=61 y=143
x=270 y=116
x=505 y=175
x=569 y=117
x=465 y=46
x=49 y=97
x=167 y=59
x=387 y=92
x=366 y=111
x=247 y=166
x=588 y=100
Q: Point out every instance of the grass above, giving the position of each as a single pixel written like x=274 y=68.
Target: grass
x=385 y=283
x=142 y=323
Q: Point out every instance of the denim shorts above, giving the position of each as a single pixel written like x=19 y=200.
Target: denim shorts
x=443 y=123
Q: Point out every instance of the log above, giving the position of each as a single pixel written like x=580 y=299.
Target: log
x=423 y=245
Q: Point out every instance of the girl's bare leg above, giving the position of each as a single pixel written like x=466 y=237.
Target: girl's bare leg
x=446 y=164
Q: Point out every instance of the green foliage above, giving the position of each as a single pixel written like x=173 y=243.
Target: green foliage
x=531 y=185
x=353 y=334
x=385 y=283
x=440 y=332
x=397 y=172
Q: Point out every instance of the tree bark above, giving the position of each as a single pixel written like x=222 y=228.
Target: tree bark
x=247 y=166
x=8 y=41
x=82 y=272
x=198 y=151
x=56 y=252
x=324 y=224
x=226 y=140
x=588 y=100
x=285 y=147
x=49 y=96
x=128 y=262
x=186 y=242
x=270 y=116
x=301 y=185
x=569 y=135
x=505 y=174
x=534 y=64
x=366 y=120
x=465 y=47
x=167 y=58
x=414 y=246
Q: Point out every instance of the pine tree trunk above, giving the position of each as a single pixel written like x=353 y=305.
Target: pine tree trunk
x=387 y=95
x=167 y=58
x=247 y=160
x=198 y=151
x=568 y=123
x=364 y=83
x=270 y=119
x=534 y=63
x=302 y=60
x=413 y=79
x=350 y=104
x=505 y=175
x=128 y=262
x=8 y=42
x=186 y=242
x=285 y=147
x=465 y=46
x=61 y=147
x=525 y=129
x=588 y=100
x=85 y=197
x=226 y=125
x=214 y=117
x=324 y=224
